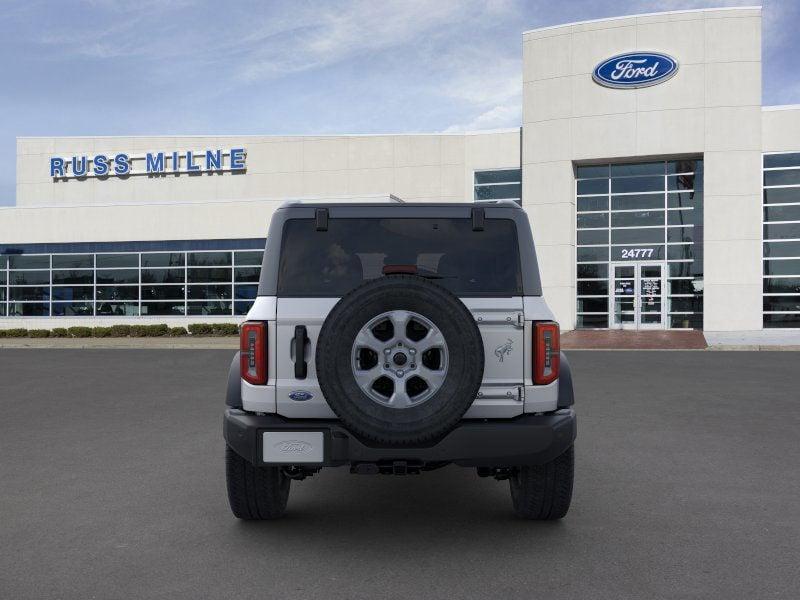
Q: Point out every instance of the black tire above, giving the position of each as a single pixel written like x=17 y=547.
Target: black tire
x=544 y=492
x=255 y=493
x=416 y=424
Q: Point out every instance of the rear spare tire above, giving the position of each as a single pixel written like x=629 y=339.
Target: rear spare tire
x=400 y=360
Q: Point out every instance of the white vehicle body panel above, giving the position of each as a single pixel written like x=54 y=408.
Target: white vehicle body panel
x=505 y=324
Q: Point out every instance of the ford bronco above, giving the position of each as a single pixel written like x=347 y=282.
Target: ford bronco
x=399 y=338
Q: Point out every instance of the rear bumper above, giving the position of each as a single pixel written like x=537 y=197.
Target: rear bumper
x=525 y=440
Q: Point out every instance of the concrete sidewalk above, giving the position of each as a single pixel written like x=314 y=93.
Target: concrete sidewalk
x=178 y=343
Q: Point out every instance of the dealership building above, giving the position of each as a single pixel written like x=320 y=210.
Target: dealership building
x=661 y=193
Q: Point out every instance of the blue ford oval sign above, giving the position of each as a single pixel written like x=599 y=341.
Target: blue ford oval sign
x=300 y=395
x=635 y=70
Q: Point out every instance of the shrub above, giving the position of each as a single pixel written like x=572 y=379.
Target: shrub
x=38 y=333
x=16 y=332
x=101 y=332
x=177 y=331
x=80 y=332
x=120 y=330
x=225 y=329
x=156 y=330
x=138 y=331
x=201 y=329
x=59 y=332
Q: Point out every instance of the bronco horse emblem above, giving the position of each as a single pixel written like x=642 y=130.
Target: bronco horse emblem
x=504 y=350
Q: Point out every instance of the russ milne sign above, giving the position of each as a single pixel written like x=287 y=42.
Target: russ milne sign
x=151 y=163
x=635 y=70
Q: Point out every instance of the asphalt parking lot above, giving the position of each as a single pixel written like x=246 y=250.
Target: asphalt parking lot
x=112 y=486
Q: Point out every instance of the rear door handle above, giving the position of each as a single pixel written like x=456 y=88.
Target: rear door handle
x=300 y=339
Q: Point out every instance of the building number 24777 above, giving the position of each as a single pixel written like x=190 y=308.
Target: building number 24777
x=637 y=252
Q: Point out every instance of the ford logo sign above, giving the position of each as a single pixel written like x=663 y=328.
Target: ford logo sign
x=301 y=395
x=293 y=447
x=635 y=70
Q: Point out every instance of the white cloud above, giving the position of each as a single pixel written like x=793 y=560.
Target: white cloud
x=497 y=117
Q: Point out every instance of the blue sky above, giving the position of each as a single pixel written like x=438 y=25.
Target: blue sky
x=154 y=67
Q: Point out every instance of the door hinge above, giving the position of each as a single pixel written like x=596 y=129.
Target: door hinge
x=520 y=393
x=520 y=320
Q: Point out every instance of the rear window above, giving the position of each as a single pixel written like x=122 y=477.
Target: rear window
x=466 y=262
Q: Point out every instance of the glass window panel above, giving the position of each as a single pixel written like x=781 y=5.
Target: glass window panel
x=251 y=258
x=782 y=160
x=73 y=292
x=624 y=271
x=2 y=277
x=249 y=274
x=591 y=171
x=73 y=261
x=592 y=271
x=209 y=259
x=241 y=307
x=787 y=320
x=122 y=292
x=118 y=276
x=782 y=213
x=593 y=288
x=117 y=309
x=162 y=292
x=498 y=192
x=641 y=252
x=117 y=260
x=782 y=249
x=593 y=321
x=72 y=309
x=684 y=166
x=245 y=292
x=782 y=267
x=686 y=321
x=637 y=202
x=209 y=275
x=685 y=286
x=782 y=195
x=73 y=277
x=639 y=218
x=163 y=275
x=209 y=308
x=788 y=177
x=3 y=262
x=162 y=308
x=593 y=305
x=593 y=220
x=596 y=203
x=2 y=294
x=684 y=182
x=24 y=261
x=592 y=254
x=782 y=231
x=685 y=200
x=681 y=269
x=782 y=285
x=29 y=293
x=29 y=277
x=684 y=217
x=680 y=234
x=694 y=304
x=2 y=310
x=680 y=252
x=637 y=236
x=209 y=292
x=498 y=176
x=593 y=186
x=636 y=184
x=782 y=303
x=651 y=168
x=592 y=236
x=28 y=309
x=163 y=259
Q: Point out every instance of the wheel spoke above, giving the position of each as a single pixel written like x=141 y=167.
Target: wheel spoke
x=399 y=319
x=367 y=339
x=400 y=398
x=433 y=377
x=433 y=339
x=367 y=377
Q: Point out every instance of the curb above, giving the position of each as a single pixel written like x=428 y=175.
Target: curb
x=204 y=343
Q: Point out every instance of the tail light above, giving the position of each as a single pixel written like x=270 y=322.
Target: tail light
x=546 y=352
x=253 y=352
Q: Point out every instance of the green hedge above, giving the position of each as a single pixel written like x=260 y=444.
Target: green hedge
x=160 y=330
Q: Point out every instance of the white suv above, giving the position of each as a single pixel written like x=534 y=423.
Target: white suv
x=399 y=338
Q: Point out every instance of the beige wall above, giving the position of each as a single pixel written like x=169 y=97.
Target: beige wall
x=711 y=107
x=414 y=167
x=781 y=128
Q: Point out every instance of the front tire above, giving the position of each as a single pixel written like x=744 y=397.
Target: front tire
x=255 y=493
x=544 y=492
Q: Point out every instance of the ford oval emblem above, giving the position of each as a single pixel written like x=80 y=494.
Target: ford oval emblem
x=635 y=70
x=300 y=395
